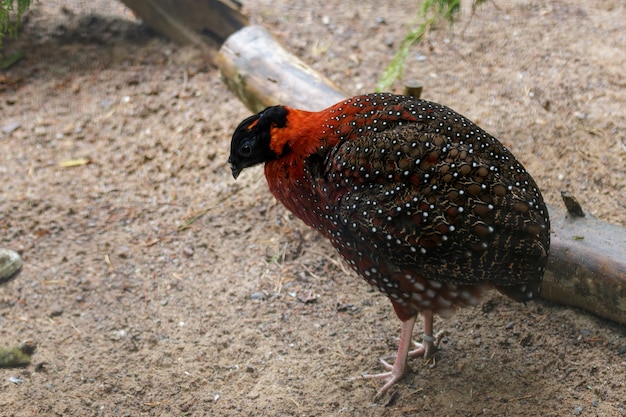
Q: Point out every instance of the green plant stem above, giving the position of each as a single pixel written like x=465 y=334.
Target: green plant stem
x=431 y=13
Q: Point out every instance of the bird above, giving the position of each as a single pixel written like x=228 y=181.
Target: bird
x=421 y=202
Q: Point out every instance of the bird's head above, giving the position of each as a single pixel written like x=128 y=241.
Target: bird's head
x=251 y=142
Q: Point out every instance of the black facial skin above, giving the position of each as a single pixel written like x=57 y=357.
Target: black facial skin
x=251 y=146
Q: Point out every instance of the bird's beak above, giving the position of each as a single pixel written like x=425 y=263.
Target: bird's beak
x=236 y=170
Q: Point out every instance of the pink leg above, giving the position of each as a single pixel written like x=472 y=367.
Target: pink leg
x=427 y=349
x=429 y=344
x=397 y=370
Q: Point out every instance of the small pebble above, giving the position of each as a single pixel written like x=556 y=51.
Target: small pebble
x=527 y=341
x=40 y=131
x=56 y=312
x=578 y=410
x=257 y=296
x=10 y=265
x=10 y=127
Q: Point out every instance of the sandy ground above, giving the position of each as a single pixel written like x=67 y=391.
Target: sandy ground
x=154 y=284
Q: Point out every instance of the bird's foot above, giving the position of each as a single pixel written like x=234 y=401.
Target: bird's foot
x=394 y=374
x=428 y=347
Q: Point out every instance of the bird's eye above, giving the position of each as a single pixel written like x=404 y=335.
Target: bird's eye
x=246 y=150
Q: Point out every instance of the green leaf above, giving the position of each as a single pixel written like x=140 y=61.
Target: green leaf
x=9 y=26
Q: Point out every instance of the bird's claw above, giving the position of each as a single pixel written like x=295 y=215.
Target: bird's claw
x=390 y=378
x=428 y=347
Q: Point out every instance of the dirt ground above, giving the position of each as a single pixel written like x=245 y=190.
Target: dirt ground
x=154 y=284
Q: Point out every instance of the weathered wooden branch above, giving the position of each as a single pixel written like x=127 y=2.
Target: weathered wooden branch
x=203 y=23
x=262 y=73
x=587 y=266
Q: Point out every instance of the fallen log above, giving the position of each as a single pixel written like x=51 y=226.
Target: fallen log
x=266 y=74
x=202 y=23
x=587 y=266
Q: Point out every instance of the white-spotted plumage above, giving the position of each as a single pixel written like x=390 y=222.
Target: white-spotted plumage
x=420 y=201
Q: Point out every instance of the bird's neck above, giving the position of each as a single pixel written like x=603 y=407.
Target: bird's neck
x=303 y=135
